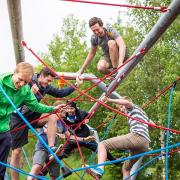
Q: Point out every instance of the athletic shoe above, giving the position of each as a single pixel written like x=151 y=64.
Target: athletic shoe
x=98 y=172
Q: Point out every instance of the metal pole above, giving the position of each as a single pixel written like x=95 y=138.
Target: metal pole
x=15 y=17
x=90 y=77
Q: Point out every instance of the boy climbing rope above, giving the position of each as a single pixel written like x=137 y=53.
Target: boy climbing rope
x=137 y=141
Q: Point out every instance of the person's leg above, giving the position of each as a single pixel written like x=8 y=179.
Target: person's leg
x=54 y=170
x=67 y=149
x=34 y=171
x=109 y=144
x=103 y=66
x=15 y=162
x=19 y=139
x=113 y=53
x=39 y=158
x=51 y=127
x=127 y=165
x=119 y=142
x=19 y=134
x=140 y=145
x=5 y=144
x=93 y=145
x=102 y=155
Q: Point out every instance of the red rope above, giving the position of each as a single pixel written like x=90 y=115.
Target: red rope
x=70 y=167
x=80 y=152
x=114 y=71
x=64 y=145
x=161 y=9
x=59 y=118
x=171 y=152
x=79 y=149
x=95 y=100
x=160 y=94
x=66 y=99
x=32 y=122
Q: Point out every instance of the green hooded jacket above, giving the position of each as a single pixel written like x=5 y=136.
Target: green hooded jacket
x=24 y=95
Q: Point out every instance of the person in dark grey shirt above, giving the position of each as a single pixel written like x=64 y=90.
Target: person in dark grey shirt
x=112 y=44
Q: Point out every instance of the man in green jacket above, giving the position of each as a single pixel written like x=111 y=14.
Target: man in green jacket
x=15 y=86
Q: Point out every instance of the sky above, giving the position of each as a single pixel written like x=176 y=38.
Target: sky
x=41 y=21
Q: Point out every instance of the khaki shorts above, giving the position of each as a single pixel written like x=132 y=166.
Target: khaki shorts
x=40 y=157
x=132 y=141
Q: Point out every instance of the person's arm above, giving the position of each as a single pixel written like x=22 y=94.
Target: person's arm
x=72 y=138
x=121 y=101
x=55 y=92
x=31 y=102
x=86 y=121
x=120 y=43
x=89 y=57
x=122 y=49
x=82 y=139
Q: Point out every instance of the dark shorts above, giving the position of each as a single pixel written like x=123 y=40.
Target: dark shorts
x=20 y=136
x=40 y=157
x=5 y=144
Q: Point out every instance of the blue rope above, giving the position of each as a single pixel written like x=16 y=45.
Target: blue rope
x=124 y=159
x=22 y=172
x=25 y=155
x=168 y=126
x=104 y=136
x=7 y=176
x=108 y=128
x=142 y=167
x=30 y=126
x=146 y=164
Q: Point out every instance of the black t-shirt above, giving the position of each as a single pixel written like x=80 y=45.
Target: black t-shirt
x=83 y=130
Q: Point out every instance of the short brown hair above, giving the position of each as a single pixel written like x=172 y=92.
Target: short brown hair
x=94 y=21
x=24 y=68
x=46 y=72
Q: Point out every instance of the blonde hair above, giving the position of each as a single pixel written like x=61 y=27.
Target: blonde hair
x=25 y=68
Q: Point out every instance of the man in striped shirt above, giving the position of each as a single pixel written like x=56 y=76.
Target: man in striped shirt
x=137 y=141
